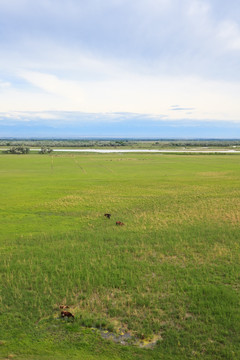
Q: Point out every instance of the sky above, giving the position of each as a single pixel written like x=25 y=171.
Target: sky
x=120 y=68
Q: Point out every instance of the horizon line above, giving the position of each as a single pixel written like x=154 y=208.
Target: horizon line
x=106 y=138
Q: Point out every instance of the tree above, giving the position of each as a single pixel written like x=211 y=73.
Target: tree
x=18 y=150
x=45 y=150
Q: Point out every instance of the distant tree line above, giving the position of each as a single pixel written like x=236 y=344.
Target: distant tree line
x=204 y=143
x=66 y=143
x=115 y=143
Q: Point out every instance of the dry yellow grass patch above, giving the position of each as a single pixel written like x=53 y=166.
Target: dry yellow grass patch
x=214 y=173
x=223 y=210
x=219 y=251
x=68 y=201
x=99 y=304
x=158 y=219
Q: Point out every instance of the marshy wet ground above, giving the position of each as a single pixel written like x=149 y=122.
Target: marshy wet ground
x=124 y=337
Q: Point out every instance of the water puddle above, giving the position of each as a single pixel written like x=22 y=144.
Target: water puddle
x=124 y=337
x=107 y=151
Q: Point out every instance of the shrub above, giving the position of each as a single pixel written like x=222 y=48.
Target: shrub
x=18 y=150
x=45 y=150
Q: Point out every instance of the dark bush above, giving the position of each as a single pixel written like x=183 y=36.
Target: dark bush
x=18 y=150
x=45 y=150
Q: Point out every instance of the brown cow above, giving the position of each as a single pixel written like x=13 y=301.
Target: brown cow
x=63 y=307
x=67 y=314
x=119 y=223
x=107 y=215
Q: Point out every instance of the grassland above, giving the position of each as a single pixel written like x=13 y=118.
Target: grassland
x=172 y=271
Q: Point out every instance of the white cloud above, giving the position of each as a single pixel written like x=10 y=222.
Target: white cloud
x=198 y=7
x=229 y=32
x=128 y=93
x=142 y=56
x=4 y=84
x=52 y=84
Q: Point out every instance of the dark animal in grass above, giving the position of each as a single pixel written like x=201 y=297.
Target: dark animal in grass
x=67 y=314
x=63 y=307
x=107 y=215
x=119 y=223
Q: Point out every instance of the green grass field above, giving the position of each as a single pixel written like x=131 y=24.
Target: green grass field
x=170 y=273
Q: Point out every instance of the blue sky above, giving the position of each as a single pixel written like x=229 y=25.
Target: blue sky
x=139 y=68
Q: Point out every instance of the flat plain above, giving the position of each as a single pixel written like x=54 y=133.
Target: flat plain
x=171 y=273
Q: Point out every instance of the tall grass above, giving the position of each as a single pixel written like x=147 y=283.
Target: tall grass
x=172 y=270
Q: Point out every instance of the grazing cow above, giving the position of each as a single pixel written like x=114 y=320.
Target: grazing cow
x=63 y=307
x=107 y=215
x=67 y=314
x=119 y=223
